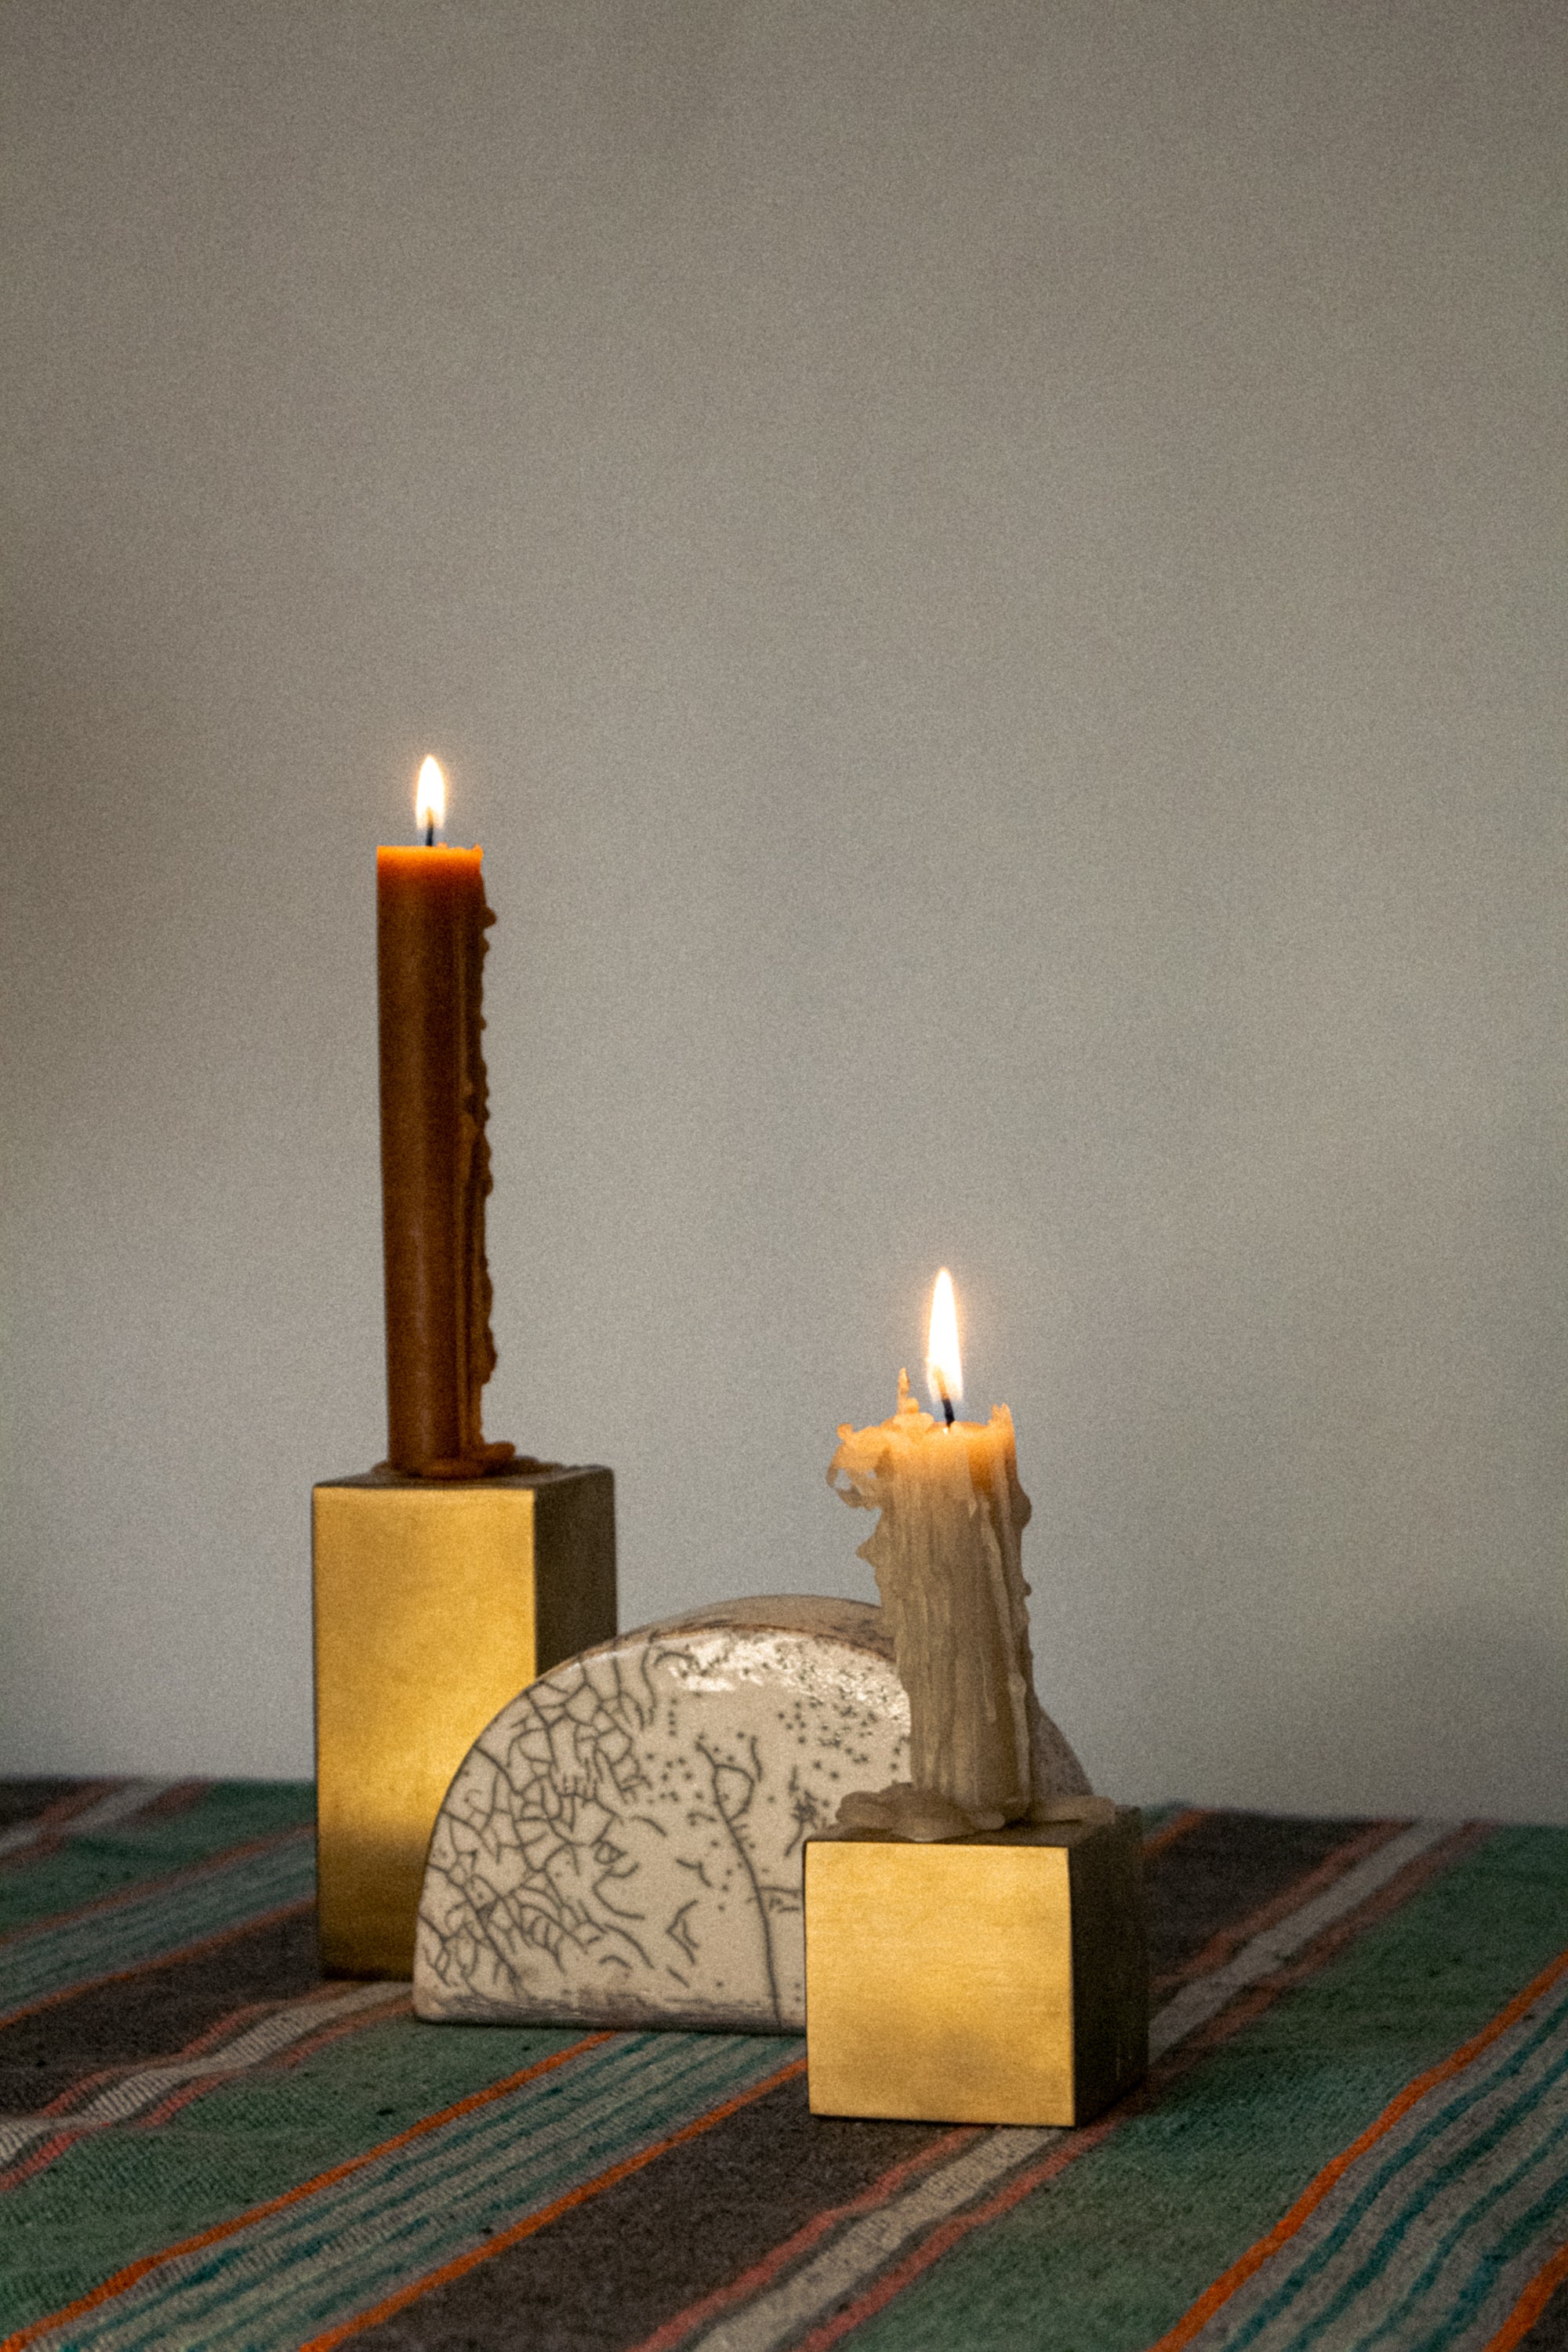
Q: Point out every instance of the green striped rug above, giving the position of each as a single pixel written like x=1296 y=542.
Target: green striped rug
x=1355 y=2134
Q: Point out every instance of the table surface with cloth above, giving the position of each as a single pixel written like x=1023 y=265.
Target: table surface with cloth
x=1354 y=2134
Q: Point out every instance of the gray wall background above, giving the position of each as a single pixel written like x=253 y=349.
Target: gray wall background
x=983 y=576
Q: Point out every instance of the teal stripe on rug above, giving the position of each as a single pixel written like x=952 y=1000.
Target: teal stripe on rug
x=1517 y=2261
x=47 y=1961
x=338 y=2251
x=118 y=2195
x=1124 y=2241
x=1411 y=2242
x=85 y=1869
x=1154 y=1818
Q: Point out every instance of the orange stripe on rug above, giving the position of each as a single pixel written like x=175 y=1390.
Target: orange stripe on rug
x=958 y=2225
x=72 y=2130
x=1215 y=2296
x=533 y=2222
x=1189 y=1820
x=123 y=2280
x=142 y=1888
x=212 y=2037
x=70 y=2100
x=179 y=1799
x=1226 y=1942
x=1187 y=2053
x=277 y=2063
x=1324 y=1947
x=39 y=2157
x=181 y=1953
x=51 y=1827
x=1531 y=2303
x=390 y=2012
x=762 y=2273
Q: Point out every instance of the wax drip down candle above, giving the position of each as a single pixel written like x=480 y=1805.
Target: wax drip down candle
x=949 y=1568
x=431 y=919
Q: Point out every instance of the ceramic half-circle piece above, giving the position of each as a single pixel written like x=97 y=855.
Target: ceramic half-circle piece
x=622 y=1845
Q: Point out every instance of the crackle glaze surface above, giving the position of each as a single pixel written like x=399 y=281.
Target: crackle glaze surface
x=622 y=1845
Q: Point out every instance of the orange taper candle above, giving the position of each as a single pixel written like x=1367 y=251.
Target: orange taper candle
x=431 y=919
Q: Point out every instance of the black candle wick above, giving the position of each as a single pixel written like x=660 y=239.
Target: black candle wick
x=946 y=1400
x=430 y=837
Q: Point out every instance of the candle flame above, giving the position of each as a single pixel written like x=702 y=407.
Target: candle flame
x=944 y=1369
x=431 y=797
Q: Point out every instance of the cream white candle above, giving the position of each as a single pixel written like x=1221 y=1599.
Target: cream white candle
x=946 y=1553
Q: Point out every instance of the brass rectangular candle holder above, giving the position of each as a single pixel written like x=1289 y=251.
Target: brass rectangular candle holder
x=1000 y=1979
x=436 y=1603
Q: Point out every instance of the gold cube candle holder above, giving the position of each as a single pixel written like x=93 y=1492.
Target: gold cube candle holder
x=999 y=1978
x=436 y=1603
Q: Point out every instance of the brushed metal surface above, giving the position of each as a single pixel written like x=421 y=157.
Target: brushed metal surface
x=434 y=1605
x=951 y=1982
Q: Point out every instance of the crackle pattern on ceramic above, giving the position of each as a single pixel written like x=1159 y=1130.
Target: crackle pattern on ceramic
x=622 y=1845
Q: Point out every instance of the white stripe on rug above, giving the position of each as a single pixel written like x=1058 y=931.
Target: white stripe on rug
x=338 y=2250
x=1399 y=2247
x=870 y=2245
x=155 y=1922
x=143 y=2086
x=1208 y=1995
x=107 y=1813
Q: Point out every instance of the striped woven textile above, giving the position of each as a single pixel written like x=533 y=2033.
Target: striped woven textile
x=1355 y=2134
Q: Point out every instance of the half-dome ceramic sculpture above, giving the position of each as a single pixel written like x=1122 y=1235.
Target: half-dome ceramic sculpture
x=622 y=1845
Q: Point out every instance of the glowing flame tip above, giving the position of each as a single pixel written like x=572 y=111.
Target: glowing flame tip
x=431 y=797
x=944 y=1368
